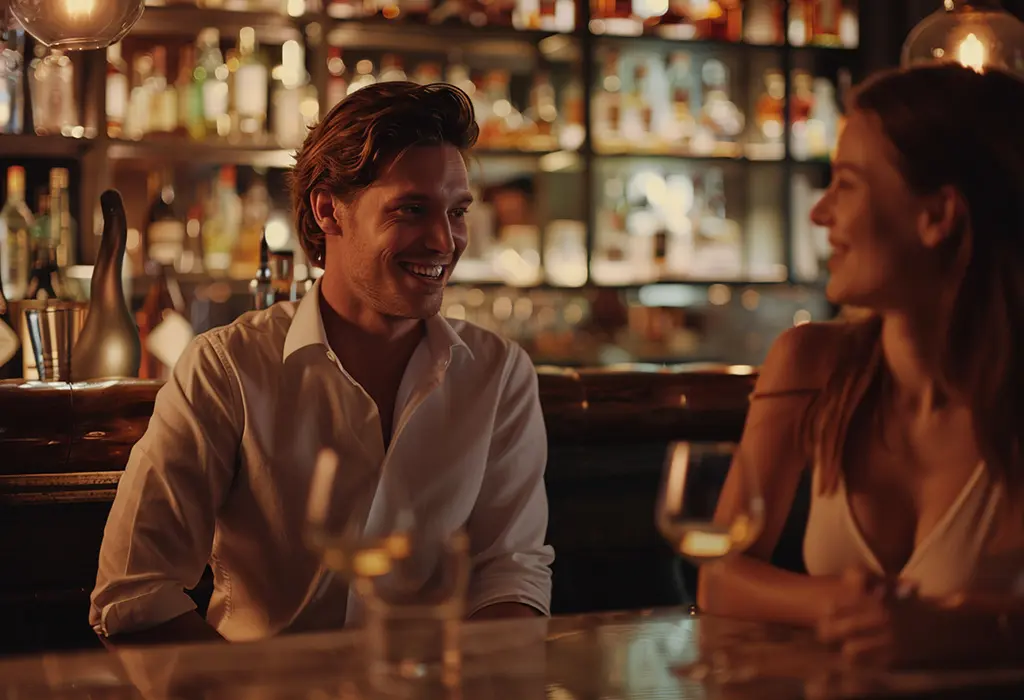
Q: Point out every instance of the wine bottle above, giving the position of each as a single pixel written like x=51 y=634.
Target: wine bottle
x=109 y=343
x=10 y=344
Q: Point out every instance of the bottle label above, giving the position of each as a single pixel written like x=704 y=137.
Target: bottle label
x=169 y=339
x=251 y=89
x=117 y=97
x=9 y=343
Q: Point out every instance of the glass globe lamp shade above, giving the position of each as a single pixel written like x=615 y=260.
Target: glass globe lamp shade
x=77 y=24
x=978 y=34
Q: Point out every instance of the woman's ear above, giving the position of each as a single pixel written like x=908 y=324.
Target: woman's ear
x=942 y=217
x=326 y=211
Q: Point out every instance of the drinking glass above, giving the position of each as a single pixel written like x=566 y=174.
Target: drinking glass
x=693 y=477
x=410 y=575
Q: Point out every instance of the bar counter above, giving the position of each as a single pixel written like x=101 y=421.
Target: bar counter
x=63 y=447
x=625 y=655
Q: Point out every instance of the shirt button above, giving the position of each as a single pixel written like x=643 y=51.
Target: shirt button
x=331 y=356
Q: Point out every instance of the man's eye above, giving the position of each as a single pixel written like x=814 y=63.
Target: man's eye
x=458 y=213
x=411 y=209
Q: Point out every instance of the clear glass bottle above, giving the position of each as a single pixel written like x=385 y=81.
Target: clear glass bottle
x=63 y=229
x=118 y=86
x=295 y=104
x=164 y=236
x=221 y=229
x=211 y=77
x=250 y=87
x=54 y=110
x=12 y=95
x=163 y=119
x=16 y=222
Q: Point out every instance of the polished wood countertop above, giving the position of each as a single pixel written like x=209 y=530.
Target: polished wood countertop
x=627 y=655
x=90 y=428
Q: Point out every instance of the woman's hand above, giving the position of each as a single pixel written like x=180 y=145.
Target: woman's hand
x=891 y=628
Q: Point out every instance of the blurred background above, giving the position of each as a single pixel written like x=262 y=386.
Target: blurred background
x=643 y=178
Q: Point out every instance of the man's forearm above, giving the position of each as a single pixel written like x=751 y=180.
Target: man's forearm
x=184 y=629
x=505 y=611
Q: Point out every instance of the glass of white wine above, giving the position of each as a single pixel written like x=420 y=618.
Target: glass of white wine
x=410 y=575
x=693 y=478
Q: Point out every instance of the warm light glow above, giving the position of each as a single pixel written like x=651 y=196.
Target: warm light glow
x=79 y=9
x=972 y=53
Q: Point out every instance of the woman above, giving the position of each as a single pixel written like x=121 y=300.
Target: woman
x=911 y=419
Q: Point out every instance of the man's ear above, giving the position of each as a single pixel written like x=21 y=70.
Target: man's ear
x=943 y=216
x=326 y=211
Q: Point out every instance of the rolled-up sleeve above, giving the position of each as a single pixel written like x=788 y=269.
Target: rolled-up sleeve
x=509 y=522
x=159 y=533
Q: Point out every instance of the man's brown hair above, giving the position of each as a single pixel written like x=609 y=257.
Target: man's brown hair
x=364 y=133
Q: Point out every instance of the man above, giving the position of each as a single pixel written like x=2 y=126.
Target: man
x=364 y=364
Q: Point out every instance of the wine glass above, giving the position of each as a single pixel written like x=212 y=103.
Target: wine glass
x=693 y=477
x=410 y=575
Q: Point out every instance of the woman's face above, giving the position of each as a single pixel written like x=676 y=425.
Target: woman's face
x=880 y=259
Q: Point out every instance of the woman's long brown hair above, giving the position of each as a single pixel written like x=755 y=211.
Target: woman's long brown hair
x=951 y=126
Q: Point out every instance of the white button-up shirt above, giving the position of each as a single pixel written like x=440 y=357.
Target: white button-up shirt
x=222 y=474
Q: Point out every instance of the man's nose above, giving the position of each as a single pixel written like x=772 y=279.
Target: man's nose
x=439 y=238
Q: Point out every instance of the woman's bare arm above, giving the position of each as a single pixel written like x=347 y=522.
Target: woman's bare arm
x=748 y=586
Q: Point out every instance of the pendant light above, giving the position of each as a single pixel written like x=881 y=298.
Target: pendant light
x=978 y=34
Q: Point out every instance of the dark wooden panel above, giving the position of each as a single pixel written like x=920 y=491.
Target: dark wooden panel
x=35 y=426
x=108 y=418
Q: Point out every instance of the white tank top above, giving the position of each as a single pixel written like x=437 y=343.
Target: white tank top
x=953 y=558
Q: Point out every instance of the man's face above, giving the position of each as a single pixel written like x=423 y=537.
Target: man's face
x=401 y=237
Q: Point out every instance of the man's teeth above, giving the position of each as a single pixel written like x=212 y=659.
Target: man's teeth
x=431 y=271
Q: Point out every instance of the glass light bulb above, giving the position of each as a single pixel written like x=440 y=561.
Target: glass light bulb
x=978 y=34
x=77 y=24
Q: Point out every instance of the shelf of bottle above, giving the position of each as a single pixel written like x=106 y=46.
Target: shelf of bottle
x=35 y=146
x=184 y=21
x=822 y=162
x=205 y=152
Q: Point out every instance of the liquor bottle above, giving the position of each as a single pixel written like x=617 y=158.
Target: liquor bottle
x=164 y=235
x=16 y=222
x=762 y=22
x=681 y=126
x=117 y=91
x=769 y=115
x=10 y=343
x=255 y=212
x=282 y=275
x=221 y=228
x=800 y=22
x=211 y=76
x=63 y=229
x=54 y=110
x=261 y=287
x=140 y=99
x=12 y=94
x=289 y=88
x=108 y=345
x=163 y=116
x=823 y=120
x=800 y=104
x=250 y=87
x=637 y=114
x=826 y=15
x=190 y=120
x=337 y=83
x=607 y=109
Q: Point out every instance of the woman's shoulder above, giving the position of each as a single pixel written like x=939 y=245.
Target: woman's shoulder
x=805 y=357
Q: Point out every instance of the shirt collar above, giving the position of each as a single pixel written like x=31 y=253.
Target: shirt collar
x=307 y=328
